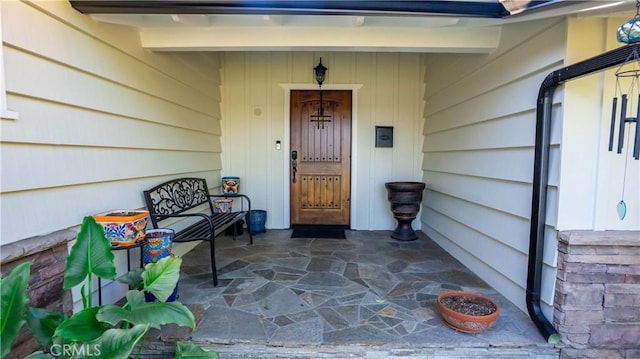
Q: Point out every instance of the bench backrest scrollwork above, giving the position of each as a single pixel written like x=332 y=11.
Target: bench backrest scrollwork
x=176 y=196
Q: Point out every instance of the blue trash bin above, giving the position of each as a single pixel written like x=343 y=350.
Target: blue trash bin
x=256 y=219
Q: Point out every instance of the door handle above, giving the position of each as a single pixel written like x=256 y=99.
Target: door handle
x=294 y=164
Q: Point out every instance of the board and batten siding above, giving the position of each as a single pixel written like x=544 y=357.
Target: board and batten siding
x=479 y=133
x=100 y=118
x=388 y=91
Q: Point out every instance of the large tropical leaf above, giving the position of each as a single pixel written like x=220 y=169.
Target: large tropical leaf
x=112 y=314
x=90 y=254
x=116 y=343
x=160 y=278
x=133 y=279
x=14 y=299
x=82 y=326
x=155 y=314
x=135 y=298
x=193 y=351
x=42 y=324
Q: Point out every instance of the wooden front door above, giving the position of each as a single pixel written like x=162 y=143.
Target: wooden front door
x=320 y=157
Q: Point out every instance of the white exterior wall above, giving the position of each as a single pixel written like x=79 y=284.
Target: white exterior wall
x=591 y=178
x=95 y=120
x=387 y=91
x=479 y=133
x=100 y=119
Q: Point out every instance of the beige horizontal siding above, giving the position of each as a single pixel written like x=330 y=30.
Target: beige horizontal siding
x=100 y=119
x=67 y=125
x=478 y=149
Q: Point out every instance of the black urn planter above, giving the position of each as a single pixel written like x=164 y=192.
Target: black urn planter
x=405 y=199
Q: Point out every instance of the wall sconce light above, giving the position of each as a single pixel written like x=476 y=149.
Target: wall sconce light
x=320 y=71
x=320 y=118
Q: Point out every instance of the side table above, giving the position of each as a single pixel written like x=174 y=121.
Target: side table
x=138 y=244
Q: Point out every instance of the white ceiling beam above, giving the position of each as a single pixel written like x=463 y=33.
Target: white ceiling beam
x=128 y=20
x=273 y=20
x=273 y=38
x=191 y=19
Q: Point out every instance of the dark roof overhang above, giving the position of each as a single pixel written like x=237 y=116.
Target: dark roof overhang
x=485 y=9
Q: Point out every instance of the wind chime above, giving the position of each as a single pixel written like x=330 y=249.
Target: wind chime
x=628 y=90
x=320 y=118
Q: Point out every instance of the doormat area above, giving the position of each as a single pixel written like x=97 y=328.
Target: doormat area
x=319 y=233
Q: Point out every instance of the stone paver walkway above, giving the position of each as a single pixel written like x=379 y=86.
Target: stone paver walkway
x=367 y=296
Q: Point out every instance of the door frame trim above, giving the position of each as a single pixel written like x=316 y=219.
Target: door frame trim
x=287 y=88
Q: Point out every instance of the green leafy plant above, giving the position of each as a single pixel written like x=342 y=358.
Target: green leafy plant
x=14 y=299
x=106 y=331
x=91 y=254
x=193 y=351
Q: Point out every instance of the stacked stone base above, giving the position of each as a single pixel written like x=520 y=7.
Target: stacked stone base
x=47 y=255
x=597 y=298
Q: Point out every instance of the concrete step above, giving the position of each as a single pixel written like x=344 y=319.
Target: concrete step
x=159 y=349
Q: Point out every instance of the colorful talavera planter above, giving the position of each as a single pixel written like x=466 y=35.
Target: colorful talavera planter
x=230 y=185
x=123 y=227
x=158 y=244
x=222 y=205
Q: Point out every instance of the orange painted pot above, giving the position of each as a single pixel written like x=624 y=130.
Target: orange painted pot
x=123 y=227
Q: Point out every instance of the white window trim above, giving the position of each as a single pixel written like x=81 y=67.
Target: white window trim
x=5 y=113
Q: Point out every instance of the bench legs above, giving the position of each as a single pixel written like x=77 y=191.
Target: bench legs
x=214 y=271
x=235 y=231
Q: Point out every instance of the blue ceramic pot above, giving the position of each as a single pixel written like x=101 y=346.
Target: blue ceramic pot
x=158 y=244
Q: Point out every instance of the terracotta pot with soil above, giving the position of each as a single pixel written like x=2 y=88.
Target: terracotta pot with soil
x=467 y=312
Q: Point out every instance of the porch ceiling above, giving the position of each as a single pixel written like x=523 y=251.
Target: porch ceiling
x=453 y=26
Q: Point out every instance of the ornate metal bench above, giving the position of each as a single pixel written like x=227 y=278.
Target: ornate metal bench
x=186 y=205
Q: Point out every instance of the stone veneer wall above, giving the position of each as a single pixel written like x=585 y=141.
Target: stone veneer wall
x=47 y=255
x=597 y=298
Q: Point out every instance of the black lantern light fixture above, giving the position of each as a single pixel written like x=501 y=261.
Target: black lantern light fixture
x=320 y=71
x=320 y=118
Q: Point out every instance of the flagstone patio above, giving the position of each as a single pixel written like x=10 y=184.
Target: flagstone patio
x=367 y=296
